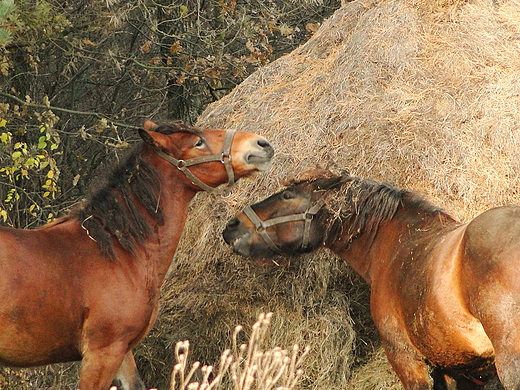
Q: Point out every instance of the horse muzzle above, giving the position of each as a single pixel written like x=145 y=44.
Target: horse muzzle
x=259 y=154
x=236 y=237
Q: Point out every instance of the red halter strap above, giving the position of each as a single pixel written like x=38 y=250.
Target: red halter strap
x=261 y=226
x=224 y=157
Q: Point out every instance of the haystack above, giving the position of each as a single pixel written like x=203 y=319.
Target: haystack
x=424 y=94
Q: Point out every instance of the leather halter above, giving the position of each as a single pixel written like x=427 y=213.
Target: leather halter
x=261 y=226
x=224 y=157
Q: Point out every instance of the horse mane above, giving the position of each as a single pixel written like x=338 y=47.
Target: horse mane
x=362 y=205
x=111 y=213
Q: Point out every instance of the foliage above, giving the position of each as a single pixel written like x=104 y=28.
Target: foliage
x=76 y=77
x=6 y=13
x=24 y=155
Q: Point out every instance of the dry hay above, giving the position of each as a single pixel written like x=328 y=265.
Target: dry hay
x=423 y=94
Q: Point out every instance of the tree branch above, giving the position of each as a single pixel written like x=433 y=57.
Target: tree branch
x=74 y=112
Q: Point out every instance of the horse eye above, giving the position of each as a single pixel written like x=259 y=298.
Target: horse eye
x=199 y=143
x=287 y=195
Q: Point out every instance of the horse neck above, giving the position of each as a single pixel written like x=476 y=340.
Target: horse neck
x=369 y=252
x=174 y=199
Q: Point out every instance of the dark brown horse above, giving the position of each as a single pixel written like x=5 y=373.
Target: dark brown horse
x=445 y=296
x=86 y=287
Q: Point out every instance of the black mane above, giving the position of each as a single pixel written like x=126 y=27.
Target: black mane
x=110 y=212
x=362 y=205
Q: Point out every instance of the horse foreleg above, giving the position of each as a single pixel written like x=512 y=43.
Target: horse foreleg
x=99 y=366
x=412 y=370
x=508 y=367
x=127 y=378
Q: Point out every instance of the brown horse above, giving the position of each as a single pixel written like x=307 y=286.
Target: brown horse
x=445 y=296
x=86 y=287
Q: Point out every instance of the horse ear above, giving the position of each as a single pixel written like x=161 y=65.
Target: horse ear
x=154 y=138
x=329 y=183
x=147 y=138
x=316 y=173
x=149 y=125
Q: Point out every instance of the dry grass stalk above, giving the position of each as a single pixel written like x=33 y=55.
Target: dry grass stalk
x=249 y=367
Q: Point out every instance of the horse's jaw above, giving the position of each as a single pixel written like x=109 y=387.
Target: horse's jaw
x=259 y=255
x=239 y=242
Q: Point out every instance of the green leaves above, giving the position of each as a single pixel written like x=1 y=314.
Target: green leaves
x=7 y=9
x=28 y=171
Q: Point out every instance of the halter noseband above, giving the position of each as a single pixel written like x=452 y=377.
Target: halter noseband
x=261 y=226
x=224 y=157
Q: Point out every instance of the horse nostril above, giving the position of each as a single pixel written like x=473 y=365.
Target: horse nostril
x=264 y=144
x=233 y=224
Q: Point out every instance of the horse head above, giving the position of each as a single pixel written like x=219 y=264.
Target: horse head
x=284 y=223
x=232 y=154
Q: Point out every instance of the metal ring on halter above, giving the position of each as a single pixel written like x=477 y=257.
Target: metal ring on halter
x=225 y=157
x=225 y=192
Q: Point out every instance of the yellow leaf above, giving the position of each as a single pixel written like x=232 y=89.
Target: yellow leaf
x=3 y=122
x=88 y=42
x=312 y=27
x=286 y=30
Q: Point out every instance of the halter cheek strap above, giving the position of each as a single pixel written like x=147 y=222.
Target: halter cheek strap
x=224 y=157
x=261 y=226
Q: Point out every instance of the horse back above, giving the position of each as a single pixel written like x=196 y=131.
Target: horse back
x=491 y=266
x=492 y=240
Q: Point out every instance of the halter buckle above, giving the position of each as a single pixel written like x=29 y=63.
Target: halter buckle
x=225 y=158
